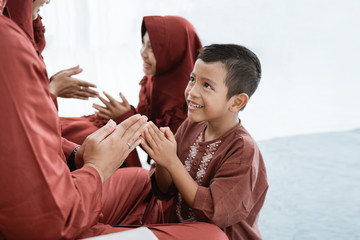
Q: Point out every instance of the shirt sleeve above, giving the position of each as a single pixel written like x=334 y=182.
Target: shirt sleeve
x=235 y=189
x=126 y=115
x=157 y=192
x=40 y=198
x=68 y=147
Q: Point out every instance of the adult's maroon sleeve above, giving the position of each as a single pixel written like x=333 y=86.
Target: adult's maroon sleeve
x=68 y=147
x=40 y=198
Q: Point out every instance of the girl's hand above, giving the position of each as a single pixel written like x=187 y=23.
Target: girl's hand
x=113 y=109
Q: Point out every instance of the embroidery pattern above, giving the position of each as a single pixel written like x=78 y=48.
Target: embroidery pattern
x=200 y=173
x=194 y=148
x=208 y=155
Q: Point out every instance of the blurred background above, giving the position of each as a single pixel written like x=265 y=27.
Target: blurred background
x=305 y=114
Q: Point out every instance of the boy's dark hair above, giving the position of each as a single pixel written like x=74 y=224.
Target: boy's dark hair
x=242 y=65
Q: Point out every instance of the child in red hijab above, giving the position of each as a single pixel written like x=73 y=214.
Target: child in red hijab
x=174 y=44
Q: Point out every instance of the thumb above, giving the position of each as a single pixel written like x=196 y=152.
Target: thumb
x=73 y=71
x=73 y=68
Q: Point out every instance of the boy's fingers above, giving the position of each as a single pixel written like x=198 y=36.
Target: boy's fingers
x=159 y=134
x=147 y=148
x=154 y=132
x=149 y=136
x=169 y=134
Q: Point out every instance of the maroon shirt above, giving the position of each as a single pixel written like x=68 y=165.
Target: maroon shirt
x=232 y=180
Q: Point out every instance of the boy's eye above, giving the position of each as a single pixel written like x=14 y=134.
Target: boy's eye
x=192 y=79
x=206 y=85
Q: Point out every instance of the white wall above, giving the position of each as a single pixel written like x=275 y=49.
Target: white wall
x=308 y=51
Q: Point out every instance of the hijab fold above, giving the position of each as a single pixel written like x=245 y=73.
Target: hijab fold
x=176 y=45
x=20 y=11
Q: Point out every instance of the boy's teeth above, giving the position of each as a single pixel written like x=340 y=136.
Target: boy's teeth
x=195 y=106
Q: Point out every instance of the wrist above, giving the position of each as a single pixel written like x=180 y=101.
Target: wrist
x=174 y=164
x=52 y=88
x=97 y=169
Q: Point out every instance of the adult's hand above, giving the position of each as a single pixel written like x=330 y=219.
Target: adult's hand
x=107 y=148
x=113 y=109
x=62 y=84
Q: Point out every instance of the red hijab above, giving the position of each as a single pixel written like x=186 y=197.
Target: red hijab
x=176 y=45
x=20 y=11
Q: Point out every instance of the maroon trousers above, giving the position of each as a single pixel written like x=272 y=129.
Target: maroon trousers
x=128 y=202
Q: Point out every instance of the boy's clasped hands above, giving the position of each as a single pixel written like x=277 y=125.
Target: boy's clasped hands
x=160 y=144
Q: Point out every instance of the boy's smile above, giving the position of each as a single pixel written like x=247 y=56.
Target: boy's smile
x=206 y=92
x=193 y=105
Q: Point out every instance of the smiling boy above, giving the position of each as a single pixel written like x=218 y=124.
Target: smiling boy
x=212 y=165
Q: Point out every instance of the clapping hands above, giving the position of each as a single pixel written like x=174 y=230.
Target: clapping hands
x=160 y=144
x=62 y=84
x=113 y=108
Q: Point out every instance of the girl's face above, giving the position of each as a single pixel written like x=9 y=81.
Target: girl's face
x=147 y=54
x=36 y=7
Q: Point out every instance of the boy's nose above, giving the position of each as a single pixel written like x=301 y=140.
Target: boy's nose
x=193 y=91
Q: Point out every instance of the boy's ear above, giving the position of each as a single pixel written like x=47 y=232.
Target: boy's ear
x=238 y=102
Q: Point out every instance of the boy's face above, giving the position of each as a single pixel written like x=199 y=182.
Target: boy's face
x=206 y=92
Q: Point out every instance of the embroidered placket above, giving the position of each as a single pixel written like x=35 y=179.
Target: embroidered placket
x=208 y=154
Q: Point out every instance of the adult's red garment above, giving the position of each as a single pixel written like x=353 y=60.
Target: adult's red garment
x=39 y=34
x=20 y=11
x=40 y=198
x=39 y=195
x=175 y=44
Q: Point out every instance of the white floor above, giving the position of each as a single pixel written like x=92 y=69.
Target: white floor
x=314 y=187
